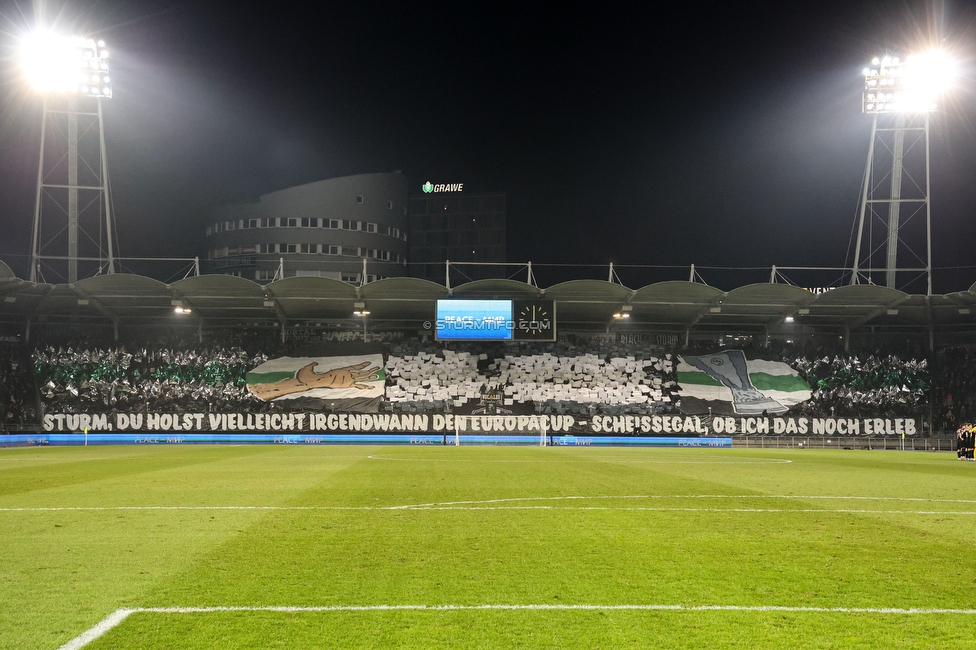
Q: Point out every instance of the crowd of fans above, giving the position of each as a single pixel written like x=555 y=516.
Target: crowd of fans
x=954 y=395
x=207 y=379
x=18 y=400
x=876 y=386
x=587 y=378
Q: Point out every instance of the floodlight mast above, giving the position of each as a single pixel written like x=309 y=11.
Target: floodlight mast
x=899 y=95
x=67 y=72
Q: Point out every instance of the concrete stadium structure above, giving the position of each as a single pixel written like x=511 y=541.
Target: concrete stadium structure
x=678 y=311
x=333 y=228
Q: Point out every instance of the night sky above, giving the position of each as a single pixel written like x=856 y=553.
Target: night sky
x=720 y=134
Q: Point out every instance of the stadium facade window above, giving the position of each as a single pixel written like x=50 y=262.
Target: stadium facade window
x=263 y=274
x=359 y=228
x=350 y=277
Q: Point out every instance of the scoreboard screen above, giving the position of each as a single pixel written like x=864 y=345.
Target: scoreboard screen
x=496 y=320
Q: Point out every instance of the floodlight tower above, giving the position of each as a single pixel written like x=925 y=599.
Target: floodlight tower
x=899 y=95
x=72 y=194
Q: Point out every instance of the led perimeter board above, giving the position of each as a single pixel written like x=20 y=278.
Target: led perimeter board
x=495 y=320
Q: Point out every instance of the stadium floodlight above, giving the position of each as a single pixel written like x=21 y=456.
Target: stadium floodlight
x=53 y=63
x=912 y=85
x=71 y=74
x=902 y=93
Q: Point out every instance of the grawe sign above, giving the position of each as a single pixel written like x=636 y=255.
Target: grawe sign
x=432 y=188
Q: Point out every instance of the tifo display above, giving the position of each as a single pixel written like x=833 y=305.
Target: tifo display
x=479 y=388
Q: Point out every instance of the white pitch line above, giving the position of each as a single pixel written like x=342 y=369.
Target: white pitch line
x=636 y=459
x=559 y=607
x=115 y=618
x=680 y=496
x=863 y=511
x=103 y=626
x=474 y=504
x=676 y=509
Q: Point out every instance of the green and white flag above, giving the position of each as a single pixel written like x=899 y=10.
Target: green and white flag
x=323 y=378
x=727 y=383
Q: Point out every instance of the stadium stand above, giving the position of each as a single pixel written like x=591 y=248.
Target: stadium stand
x=18 y=395
x=550 y=378
x=211 y=379
x=880 y=385
x=954 y=388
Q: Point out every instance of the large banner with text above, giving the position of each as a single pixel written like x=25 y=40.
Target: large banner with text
x=611 y=425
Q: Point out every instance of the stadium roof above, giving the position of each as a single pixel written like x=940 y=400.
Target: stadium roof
x=408 y=302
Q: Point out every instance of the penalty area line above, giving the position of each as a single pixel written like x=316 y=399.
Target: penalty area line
x=99 y=629
x=118 y=616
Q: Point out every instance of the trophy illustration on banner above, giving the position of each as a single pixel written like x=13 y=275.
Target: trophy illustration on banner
x=730 y=369
x=491 y=397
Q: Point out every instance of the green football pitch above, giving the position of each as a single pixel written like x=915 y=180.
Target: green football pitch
x=474 y=547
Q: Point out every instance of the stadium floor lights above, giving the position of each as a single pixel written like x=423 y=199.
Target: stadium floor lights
x=68 y=71
x=902 y=93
